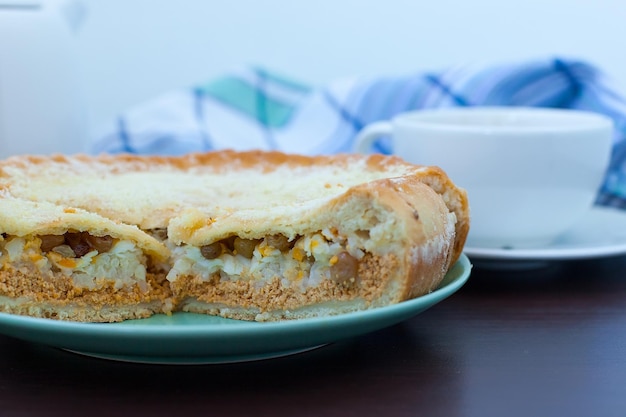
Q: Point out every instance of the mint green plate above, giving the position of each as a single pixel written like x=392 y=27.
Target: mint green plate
x=186 y=338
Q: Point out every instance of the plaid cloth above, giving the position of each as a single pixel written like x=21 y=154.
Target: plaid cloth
x=254 y=108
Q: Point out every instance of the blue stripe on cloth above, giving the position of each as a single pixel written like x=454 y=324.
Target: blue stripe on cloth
x=122 y=133
x=512 y=85
x=340 y=140
x=565 y=69
x=613 y=191
x=345 y=126
x=198 y=104
x=458 y=99
x=345 y=115
x=414 y=92
x=262 y=109
x=382 y=145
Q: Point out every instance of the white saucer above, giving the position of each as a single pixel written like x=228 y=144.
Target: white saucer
x=601 y=233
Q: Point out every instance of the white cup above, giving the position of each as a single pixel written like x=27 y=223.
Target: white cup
x=530 y=173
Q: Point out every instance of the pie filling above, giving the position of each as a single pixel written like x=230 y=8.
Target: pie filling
x=86 y=259
x=304 y=261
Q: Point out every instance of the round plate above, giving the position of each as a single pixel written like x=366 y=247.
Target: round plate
x=600 y=233
x=187 y=338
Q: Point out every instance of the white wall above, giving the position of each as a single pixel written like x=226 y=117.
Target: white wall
x=132 y=50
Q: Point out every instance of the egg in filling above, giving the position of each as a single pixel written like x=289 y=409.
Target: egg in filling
x=84 y=258
x=304 y=261
x=274 y=272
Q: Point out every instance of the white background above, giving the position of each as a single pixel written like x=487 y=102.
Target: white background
x=133 y=50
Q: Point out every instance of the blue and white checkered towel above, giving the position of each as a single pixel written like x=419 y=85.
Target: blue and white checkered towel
x=254 y=108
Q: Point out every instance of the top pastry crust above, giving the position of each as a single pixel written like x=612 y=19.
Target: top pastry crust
x=210 y=195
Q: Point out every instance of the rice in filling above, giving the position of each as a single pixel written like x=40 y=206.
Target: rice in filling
x=305 y=262
x=123 y=262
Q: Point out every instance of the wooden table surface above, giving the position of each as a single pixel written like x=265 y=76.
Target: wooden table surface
x=546 y=342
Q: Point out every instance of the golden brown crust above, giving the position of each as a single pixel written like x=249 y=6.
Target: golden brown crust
x=456 y=200
x=426 y=232
x=217 y=161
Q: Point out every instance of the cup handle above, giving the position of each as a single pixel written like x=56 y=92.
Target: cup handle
x=366 y=137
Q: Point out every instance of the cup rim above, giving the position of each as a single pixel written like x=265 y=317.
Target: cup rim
x=550 y=119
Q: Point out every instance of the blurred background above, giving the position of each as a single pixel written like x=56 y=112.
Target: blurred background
x=133 y=50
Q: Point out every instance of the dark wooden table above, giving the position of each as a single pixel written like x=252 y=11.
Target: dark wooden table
x=549 y=342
